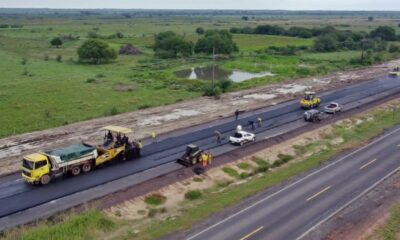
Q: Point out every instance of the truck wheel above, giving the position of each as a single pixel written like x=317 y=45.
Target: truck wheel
x=45 y=179
x=76 y=171
x=86 y=167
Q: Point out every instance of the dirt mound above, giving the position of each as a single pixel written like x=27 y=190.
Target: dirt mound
x=129 y=49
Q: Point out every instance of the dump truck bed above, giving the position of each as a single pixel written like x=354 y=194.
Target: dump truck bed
x=71 y=154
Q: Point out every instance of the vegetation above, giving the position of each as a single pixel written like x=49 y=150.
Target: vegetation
x=170 y=45
x=96 y=52
x=56 y=42
x=391 y=229
x=30 y=67
x=155 y=199
x=216 y=41
x=231 y=172
x=193 y=195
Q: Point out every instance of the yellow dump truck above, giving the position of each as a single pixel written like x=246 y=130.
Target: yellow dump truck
x=310 y=101
x=41 y=168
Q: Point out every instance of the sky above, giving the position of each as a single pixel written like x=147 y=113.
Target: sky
x=393 y=5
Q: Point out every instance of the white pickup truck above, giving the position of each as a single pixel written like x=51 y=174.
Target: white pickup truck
x=242 y=137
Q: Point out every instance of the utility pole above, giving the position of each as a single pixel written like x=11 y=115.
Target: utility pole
x=213 y=69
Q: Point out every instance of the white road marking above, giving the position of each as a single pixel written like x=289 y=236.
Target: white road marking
x=293 y=184
x=367 y=164
x=318 y=193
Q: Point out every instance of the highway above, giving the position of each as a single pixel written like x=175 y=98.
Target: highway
x=16 y=196
x=293 y=211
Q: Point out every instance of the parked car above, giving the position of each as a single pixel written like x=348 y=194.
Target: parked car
x=333 y=107
x=242 y=137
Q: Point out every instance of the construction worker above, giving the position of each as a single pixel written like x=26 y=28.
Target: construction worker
x=252 y=124
x=140 y=147
x=204 y=158
x=218 y=135
x=237 y=114
x=259 y=121
x=154 y=136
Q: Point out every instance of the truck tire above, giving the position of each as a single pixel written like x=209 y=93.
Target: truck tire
x=86 y=167
x=45 y=179
x=76 y=170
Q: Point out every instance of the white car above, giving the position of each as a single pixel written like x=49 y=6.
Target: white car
x=333 y=107
x=242 y=137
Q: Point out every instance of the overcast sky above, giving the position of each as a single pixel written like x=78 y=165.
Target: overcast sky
x=209 y=4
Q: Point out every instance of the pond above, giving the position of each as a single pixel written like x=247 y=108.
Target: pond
x=206 y=73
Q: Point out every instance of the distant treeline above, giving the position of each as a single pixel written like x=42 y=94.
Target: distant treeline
x=130 y=13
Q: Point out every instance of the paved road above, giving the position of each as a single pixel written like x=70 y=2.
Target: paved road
x=16 y=196
x=296 y=209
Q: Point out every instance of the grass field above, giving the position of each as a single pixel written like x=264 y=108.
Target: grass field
x=36 y=93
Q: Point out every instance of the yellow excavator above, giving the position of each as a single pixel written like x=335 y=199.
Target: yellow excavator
x=310 y=101
x=395 y=72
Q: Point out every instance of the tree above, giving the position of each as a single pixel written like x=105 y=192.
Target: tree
x=217 y=41
x=96 y=52
x=56 y=42
x=245 y=18
x=200 y=30
x=370 y=19
x=325 y=43
x=385 y=33
x=169 y=45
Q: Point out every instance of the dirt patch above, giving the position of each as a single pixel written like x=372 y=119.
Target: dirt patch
x=180 y=115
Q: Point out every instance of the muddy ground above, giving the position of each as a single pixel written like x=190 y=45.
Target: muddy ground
x=180 y=115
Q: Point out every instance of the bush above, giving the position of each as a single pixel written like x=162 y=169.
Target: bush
x=24 y=61
x=285 y=158
x=225 y=85
x=111 y=112
x=277 y=163
x=96 y=52
x=209 y=91
x=91 y=80
x=56 y=42
x=244 y=166
x=170 y=45
x=216 y=41
x=193 y=195
x=394 y=48
x=231 y=172
x=59 y=58
x=155 y=199
x=200 y=30
x=4 y=26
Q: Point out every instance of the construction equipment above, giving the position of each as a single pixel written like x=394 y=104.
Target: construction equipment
x=310 y=101
x=44 y=166
x=194 y=155
x=395 y=72
x=313 y=115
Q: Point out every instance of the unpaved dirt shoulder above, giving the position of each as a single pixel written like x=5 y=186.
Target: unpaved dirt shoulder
x=180 y=115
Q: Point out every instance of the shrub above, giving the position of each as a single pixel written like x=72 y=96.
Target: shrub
x=259 y=161
x=277 y=163
x=244 y=166
x=24 y=61
x=154 y=211
x=285 y=158
x=111 y=112
x=224 y=85
x=193 y=195
x=262 y=169
x=231 y=172
x=96 y=52
x=394 y=48
x=91 y=80
x=56 y=42
x=59 y=58
x=4 y=25
x=155 y=199
x=209 y=91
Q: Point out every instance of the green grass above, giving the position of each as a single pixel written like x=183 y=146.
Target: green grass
x=231 y=172
x=85 y=226
x=244 y=166
x=193 y=195
x=391 y=229
x=43 y=94
x=155 y=199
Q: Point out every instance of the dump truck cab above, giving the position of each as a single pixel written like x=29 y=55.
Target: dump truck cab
x=310 y=101
x=34 y=167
